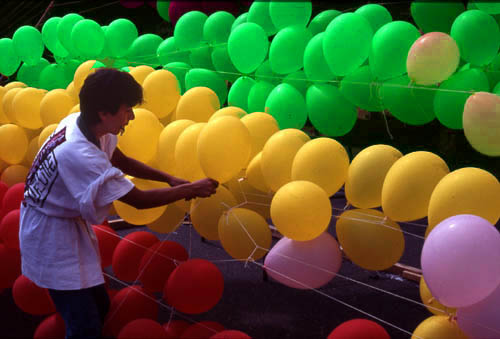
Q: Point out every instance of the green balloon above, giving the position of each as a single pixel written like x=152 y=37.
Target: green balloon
x=50 y=38
x=241 y=19
x=290 y=13
x=376 y=15
x=105 y=49
x=496 y=89
x=435 y=16
x=238 y=94
x=179 y=69
x=54 y=76
x=169 y=52
x=347 y=42
x=477 y=36
x=493 y=71
x=9 y=60
x=199 y=77
x=223 y=65
x=143 y=50
x=286 y=54
x=449 y=101
x=265 y=73
x=413 y=105
x=64 y=29
x=490 y=7
x=319 y=23
x=30 y=75
x=298 y=80
x=258 y=95
x=259 y=14
x=188 y=31
x=360 y=88
x=329 y=111
x=120 y=35
x=247 y=46
x=88 y=38
x=287 y=106
x=390 y=47
x=315 y=66
x=28 y=44
x=71 y=65
x=201 y=56
x=218 y=27
x=162 y=9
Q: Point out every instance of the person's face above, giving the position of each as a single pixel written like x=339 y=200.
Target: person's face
x=115 y=124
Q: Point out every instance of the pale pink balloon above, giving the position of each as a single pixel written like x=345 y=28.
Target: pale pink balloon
x=432 y=58
x=481 y=121
x=304 y=264
x=481 y=320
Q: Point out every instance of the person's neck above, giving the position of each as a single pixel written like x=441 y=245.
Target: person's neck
x=90 y=132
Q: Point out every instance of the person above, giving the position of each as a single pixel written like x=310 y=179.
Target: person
x=76 y=175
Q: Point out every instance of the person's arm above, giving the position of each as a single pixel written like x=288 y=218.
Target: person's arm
x=162 y=196
x=138 y=169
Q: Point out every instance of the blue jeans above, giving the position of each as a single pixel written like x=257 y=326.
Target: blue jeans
x=83 y=310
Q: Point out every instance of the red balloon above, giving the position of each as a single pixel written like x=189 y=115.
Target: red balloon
x=9 y=229
x=359 y=329
x=108 y=240
x=131 y=303
x=142 y=328
x=31 y=298
x=3 y=189
x=180 y=7
x=174 y=328
x=210 y=7
x=230 y=334
x=201 y=330
x=158 y=263
x=128 y=254
x=13 y=197
x=52 y=327
x=195 y=286
x=10 y=266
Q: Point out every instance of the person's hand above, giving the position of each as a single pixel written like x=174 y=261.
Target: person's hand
x=203 y=188
x=174 y=181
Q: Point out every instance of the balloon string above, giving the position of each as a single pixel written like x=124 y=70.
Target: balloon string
x=99 y=7
x=378 y=217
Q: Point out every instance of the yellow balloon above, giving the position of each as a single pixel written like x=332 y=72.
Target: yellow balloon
x=166 y=144
x=13 y=144
x=81 y=73
x=26 y=107
x=45 y=133
x=323 y=161
x=14 y=174
x=3 y=117
x=7 y=104
x=31 y=152
x=136 y=216
x=70 y=89
x=366 y=174
x=369 y=240
x=432 y=304
x=301 y=210
x=409 y=183
x=74 y=109
x=3 y=165
x=55 y=106
x=465 y=191
x=166 y=120
x=183 y=205
x=278 y=154
x=244 y=234
x=232 y=111
x=169 y=221
x=206 y=212
x=140 y=139
x=186 y=157
x=438 y=326
x=223 y=148
x=254 y=174
x=249 y=197
x=197 y=104
x=140 y=73
x=15 y=84
x=161 y=92
x=261 y=127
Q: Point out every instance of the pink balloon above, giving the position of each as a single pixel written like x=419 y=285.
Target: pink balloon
x=210 y=7
x=460 y=260
x=179 y=8
x=481 y=320
x=304 y=264
x=131 y=3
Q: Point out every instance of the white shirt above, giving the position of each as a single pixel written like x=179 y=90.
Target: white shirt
x=70 y=186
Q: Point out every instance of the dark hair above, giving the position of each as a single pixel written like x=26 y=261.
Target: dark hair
x=105 y=91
